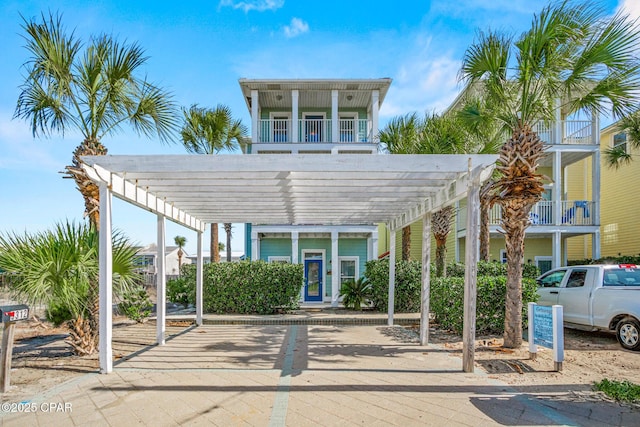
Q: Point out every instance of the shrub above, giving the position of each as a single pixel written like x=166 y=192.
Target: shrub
x=622 y=391
x=136 y=304
x=181 y=291
x=447 y=302
x=485 y=268
x=407 y=288
x=244 y=287
x=622 y=259
x=355 y=293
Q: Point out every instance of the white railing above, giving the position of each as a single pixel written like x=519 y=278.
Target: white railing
x=314 y=131
x=572 y=212
x=572 y=132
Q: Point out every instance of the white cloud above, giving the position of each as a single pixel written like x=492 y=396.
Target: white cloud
x=297 y=27
x=257 y=5
x=632 y=7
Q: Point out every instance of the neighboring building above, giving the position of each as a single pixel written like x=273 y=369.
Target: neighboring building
x=306 y=117
x=562 y=215
x=620 y=234
x=145 y=259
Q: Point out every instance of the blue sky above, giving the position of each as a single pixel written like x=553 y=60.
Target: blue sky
x=199 y=50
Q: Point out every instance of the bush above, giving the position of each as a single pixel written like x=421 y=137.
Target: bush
x=447 y=302
x=181 y=291
x=407 y=289
x=622 y=259
x=248 y=287
x=58 y=313
x=355 y=293
x=136 y=304
x=485 y=268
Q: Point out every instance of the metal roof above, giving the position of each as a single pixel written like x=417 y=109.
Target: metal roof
x=331 y=189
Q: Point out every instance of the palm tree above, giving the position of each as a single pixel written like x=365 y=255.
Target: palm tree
x=400 y=136
x=630 y=125
x=94 y=90
x=207 y=131
x=227 y=229
x=573 y=53
x=58 y=267
x=180 y=241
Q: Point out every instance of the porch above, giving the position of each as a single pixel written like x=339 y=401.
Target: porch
x=317 y=130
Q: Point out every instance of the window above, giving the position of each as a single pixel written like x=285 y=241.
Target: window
x=503 y=256
x=620 y=142
x=576 y=279
x=348 y=269
x=280 y=259
x=552 y=280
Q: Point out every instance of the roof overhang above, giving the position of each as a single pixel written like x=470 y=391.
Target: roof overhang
x=293 y=189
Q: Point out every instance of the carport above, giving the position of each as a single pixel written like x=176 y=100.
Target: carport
x=344 y=189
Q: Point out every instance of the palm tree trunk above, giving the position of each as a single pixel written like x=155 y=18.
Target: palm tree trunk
x=180 y=253
x=441 y=226
x=406 y=243
x=214 y=248
x=83 y=335
x=515 y=220
x=227 y=229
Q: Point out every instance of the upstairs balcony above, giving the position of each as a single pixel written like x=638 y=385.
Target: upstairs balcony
x=572 y=213
x=315 y=131
x=573 y=132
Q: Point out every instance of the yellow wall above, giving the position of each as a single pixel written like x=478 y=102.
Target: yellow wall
x=619 y=203
x=533 y=247
x=416 y=242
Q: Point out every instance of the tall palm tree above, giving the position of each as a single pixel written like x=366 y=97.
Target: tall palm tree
x=630 y=125
x=400 y=136
x=57 y=268
x=180 y=241
x=207 y=131
x=227 y=229
x=95 y=90
x=573 y=53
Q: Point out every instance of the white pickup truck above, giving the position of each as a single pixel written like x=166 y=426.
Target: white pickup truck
x=596 y=297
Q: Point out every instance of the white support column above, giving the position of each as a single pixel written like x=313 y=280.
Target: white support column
x=199 y=269
x=334 y=117
x=595 y=197
x=255 y=254
x=372 y=246
x=335 y=269
x=255 y=116
x=557 y=250
x=375 y=106
x=557 y=188
x=392 y=275
x=294 y=116
x=105 y=277
x=294 y=247
x=595 y=245
x=161 y=277
x=472 y=250
x=426 y=279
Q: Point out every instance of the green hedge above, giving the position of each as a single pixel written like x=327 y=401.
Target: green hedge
x=622 y=259
x=407 y=289
x=447 y=293
x=447 y=300
x=241 y=287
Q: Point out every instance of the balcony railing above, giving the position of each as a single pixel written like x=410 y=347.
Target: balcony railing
x=569 y=132
x=572 y=212
x=315 y=131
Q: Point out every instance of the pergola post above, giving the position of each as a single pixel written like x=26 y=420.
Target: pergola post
x=105 y=277
x=199 y=270
x=161 y=275
x=426 y=279
x=392 y=275
x=472 y=248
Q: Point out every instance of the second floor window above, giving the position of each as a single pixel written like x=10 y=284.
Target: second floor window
x=620 y=141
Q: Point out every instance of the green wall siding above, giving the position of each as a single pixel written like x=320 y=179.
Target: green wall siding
x=354 y=247
x=274 y=247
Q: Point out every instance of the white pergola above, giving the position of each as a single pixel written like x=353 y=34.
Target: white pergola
x=345 y=189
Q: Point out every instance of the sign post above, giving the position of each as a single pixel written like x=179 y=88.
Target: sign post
x=10 y=315
x=546 y=329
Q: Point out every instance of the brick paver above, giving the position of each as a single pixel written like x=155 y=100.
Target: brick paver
x=302 y=375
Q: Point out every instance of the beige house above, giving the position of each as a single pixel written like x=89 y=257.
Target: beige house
x=146 y=263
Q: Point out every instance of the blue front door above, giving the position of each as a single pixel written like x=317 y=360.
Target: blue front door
x=313 y=280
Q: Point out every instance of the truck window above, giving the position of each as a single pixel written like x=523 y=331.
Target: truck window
x=576 y=279
x=621 y=277
x=552 y=280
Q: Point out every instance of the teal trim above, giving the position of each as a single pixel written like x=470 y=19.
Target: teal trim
x=247 y=241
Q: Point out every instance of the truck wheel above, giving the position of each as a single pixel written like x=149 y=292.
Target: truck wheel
x=628 y=333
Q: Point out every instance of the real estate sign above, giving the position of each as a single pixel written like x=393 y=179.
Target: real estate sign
x=546 y=329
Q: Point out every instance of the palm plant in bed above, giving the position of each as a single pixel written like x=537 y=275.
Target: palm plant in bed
x=354 y=293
